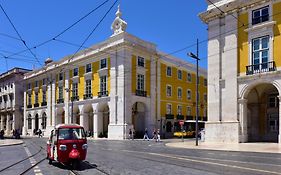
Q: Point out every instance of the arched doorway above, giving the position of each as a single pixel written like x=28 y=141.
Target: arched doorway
x=88 y=119
x=60 y=117
x=263 y=113
x=138 y=119
x=44 y=120
x=76 y=115
x=103 y=120
x=36 y=127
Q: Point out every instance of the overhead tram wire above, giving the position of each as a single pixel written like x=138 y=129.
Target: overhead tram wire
x=97 y=25
x=5 y=60
x=9 y=36
x=24 y=43
x=65 y=30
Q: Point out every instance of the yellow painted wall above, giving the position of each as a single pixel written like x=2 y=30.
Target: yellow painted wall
x=40 y=92
x=277 y=35
x=147 y=77
x=96 y=79
x=81 y=84
x=185 y=85
x=134 y=73
x=243 y=49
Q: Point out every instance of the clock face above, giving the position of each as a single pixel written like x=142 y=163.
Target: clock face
x=117 y=25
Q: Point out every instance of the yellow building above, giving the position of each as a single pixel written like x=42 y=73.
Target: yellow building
x=113 y=86
x=244 y=70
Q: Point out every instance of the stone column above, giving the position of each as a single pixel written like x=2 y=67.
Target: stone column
x=14 y=121
x=2 y=122
x=53 y=114
x=279 y=136
x=95 y=126
x=243 y=120
x=24 y=128
x=67 y=102
x=32 y=124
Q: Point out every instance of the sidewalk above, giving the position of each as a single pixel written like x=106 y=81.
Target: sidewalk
x=10 y=142
x=261 y=147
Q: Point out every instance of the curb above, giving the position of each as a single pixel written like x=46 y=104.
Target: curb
x=19 y=142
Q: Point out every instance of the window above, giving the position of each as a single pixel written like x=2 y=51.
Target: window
x=44 y=96
x=29 y=122
x=29 y=99
x=179 y=109
x=179 y=93
x=36 y=83
x=260 y=52
x=60 y=92
x=74 y=90
x=169 y=71
x=169 y=91
x=28 y=86
x=60 y=76
x=260 y=15
x=36 y=97
x=88 y=89
x=205 y=82
x=88 y=68
x=168 y=109
x=189 y=94
x=103 y=83
x=140 y=62
x=188 y=111
x=44 y=121
x=75 y=72
x=44 y=81
x=189 y=77
x=103 y=63
x=140 y=85
x=11 y=86
x=273 y=101
x=179 y=74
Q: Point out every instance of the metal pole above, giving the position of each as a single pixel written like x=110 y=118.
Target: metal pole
x=197 y=78
x=71 y=109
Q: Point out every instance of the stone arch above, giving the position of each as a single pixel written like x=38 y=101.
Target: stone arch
x=88 y=118
x=102 y=119
x=60 y=115
x=139 y=118
x=44 y=120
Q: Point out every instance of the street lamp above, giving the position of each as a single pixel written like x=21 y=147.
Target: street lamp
x=190 y=54
x=68 y=90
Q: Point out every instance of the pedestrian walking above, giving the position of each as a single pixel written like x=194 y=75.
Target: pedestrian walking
x=158 y=136
x=131 y=134
x=145 y=137
x=39 y=133
x=154 y=135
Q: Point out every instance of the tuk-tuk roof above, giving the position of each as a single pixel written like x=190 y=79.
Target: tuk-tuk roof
x=68 y=126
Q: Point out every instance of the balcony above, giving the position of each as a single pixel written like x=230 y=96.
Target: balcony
x=87 y=96
x=44 y=103
x=189 y=117
x=60 y=100
x=29 y=106
x=36 y=105
x=75 y=98
x=169 y=116
x=180 y=117
x=141 y=93
x=103 y=94
x=260 y=68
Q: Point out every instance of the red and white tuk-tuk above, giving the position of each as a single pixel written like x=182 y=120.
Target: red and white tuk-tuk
x=67 y=144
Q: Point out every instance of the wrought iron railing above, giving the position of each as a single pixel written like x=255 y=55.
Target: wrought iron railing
x=60 y=100
x=260 y=68
x=75 y=98
x=102 y=94
x=141 y=93
x=36 y=105
x=44 y=103
x=87 y=96
x=29 y=106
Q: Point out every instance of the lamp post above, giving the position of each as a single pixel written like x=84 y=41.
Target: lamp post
x=190 y=54
x=68 y=90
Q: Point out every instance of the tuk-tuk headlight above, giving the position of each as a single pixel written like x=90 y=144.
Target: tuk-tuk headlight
x=84 y=146
x=74 y=146
x=63 y=148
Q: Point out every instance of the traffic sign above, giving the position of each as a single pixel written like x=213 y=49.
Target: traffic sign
x=181 y=122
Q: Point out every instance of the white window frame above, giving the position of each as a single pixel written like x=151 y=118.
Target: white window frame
x=167 y=108
x=167 y=91
x=179 y=78
x=179 y=109
x=142 y=83
x=260 y=10
x=104 y=59
x=188 y=111
x=74 y=89
x=61 y=76
x=29 y=99
x=179 y=90
x=167 y=71
x=189 y=77
x=88 y=88
x=60 y=89
x=102 y=87
x=140 y=58
x=189 y=98
x=74 y=71
x=250 y=10
x=90 y=68
x=44 y=96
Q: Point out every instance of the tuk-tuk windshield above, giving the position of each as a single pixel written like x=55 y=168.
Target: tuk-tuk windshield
x=71 y=133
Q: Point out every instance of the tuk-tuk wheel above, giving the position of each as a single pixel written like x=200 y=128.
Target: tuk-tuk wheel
x=76 y=164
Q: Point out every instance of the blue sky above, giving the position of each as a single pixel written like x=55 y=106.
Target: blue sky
x=171 y=25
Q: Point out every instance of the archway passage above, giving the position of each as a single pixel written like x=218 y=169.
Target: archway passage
x=36 y=122
x=104 y=111
x=88 y=120
x=138 y=119
x=263 y=113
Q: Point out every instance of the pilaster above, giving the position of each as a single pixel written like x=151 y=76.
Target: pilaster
x=243 y=120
